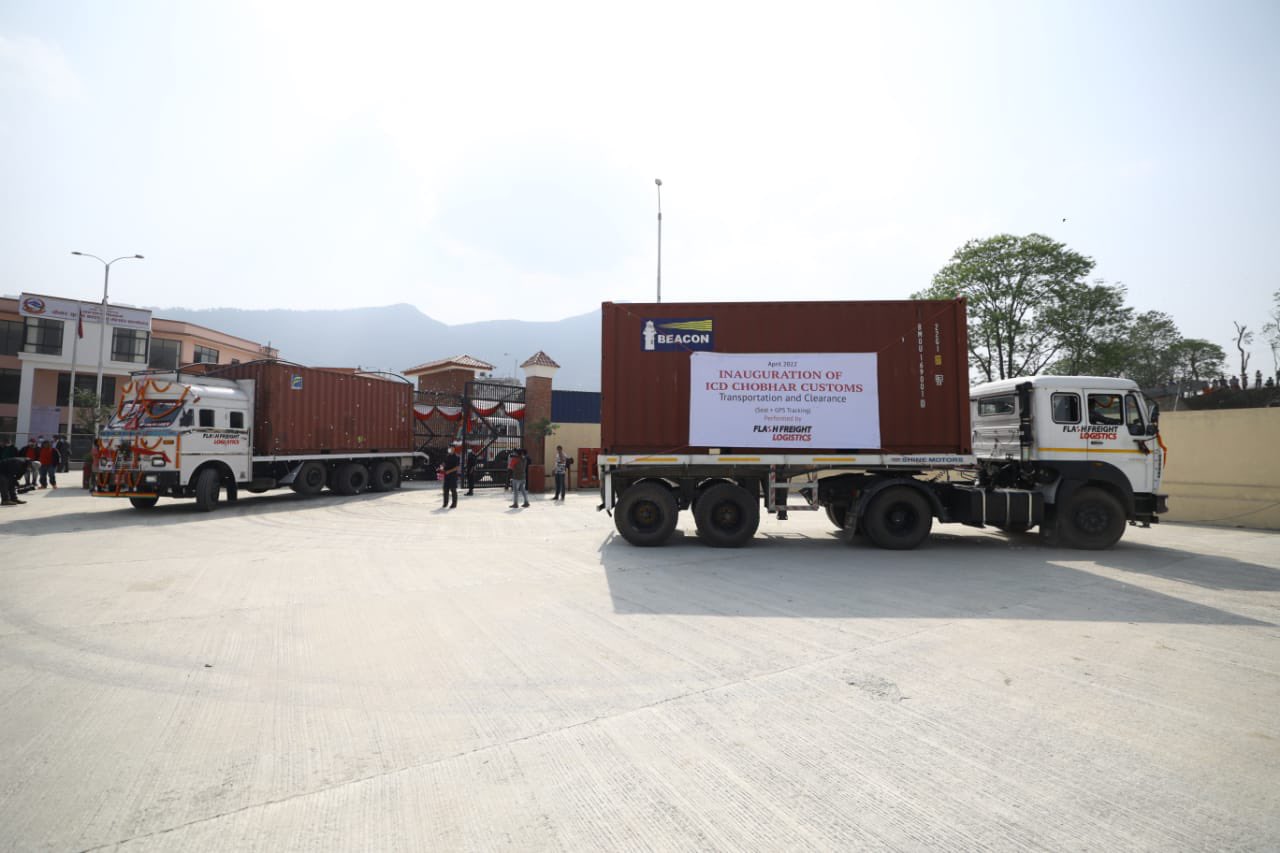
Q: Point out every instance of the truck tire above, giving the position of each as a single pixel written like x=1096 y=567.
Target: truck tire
x=727 y=516
x=899 y=518
x=837 y=514
x=646 y=514
x=351 y=478
x=310 y=479
x=143 y=503
x=385 y=476
x=208 y=485
x=1092 y=519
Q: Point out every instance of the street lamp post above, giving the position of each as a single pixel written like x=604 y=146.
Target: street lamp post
x=658 y=183
x=102 y=343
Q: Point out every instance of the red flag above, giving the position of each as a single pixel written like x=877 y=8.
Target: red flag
x=79 y=324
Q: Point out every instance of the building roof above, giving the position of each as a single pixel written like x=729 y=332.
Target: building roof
x=463 y=361
x=539 y=359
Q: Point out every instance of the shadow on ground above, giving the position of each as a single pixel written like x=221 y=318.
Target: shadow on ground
x=949 y=577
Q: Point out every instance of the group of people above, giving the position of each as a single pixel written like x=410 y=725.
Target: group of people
x=37 y=461
x=517 y=467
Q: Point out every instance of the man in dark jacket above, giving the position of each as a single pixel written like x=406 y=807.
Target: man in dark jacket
x=470 y=468
x=10 y=470
x=451 y=465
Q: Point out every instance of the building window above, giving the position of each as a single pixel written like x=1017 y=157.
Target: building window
x=43 y=336
x=205 y=355
x=86 y=383
x=10 y=383
x=165 y=354
x=129 y=345
x=12 y=333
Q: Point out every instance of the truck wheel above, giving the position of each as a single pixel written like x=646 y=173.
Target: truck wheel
x=646 y=514
x=837 y=514
x=310 y=479
x=143 y=503
x=351 y=478
x=899 y=518
x=727 y=516
x=1092 y=519
x=208 y=485
x=386 y=476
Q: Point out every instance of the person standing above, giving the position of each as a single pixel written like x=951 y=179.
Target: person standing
x=562 y=472
x=7 y=450
x=451 y=464
x=32 y=454
x=64 y=455
x=470 y=468
x=11 y=468
x=48 y=459
x=518 y=473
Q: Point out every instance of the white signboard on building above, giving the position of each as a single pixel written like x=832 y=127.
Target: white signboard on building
x=51 y=308
x=785 y=402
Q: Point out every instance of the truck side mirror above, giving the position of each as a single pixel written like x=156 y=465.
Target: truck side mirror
x=1154 y=426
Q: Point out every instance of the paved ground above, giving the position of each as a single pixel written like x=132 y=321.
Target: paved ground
x=372 y=673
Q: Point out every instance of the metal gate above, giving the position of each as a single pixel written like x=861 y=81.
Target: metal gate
x=487 y=418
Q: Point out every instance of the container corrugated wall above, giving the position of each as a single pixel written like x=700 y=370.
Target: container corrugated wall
x=922 y=366
x=307 y=410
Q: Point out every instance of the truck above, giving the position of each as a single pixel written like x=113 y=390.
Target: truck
x=861 y=410
x=205 y=431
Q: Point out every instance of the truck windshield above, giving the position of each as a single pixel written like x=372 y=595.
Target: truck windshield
x=141 y=414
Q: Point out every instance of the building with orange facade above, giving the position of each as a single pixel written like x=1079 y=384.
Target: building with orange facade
x=36 y=361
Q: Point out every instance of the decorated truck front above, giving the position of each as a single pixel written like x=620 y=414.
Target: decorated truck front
x=165 y=430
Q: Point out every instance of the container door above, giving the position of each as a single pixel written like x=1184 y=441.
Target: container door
x=588 y=470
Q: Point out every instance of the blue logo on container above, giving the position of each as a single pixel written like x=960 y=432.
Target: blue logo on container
x=668 y=335
x=295 y=382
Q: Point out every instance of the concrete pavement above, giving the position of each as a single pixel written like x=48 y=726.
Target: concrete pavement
x=373 y=673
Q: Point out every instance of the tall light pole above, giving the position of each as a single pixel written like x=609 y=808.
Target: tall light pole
x=102 y=343
x=658 y=182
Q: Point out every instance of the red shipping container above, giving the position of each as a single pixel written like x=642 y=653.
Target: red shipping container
x=301 y=410
x=922 y=369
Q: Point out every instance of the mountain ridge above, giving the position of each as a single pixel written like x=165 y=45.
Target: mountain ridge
x=397 y=337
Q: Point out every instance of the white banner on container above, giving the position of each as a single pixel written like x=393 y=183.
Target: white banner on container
x=50 y=308
x=786 y=402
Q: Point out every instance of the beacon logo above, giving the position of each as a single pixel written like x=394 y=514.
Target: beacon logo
x=667 y=335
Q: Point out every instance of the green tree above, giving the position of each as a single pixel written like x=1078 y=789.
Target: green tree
x=1196 y=360
x=1150 y=356
x=1091 y=322
x=90 y=414
x=1009 y=283
x=1271 y=332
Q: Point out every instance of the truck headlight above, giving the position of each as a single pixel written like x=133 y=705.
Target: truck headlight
x=157 y=462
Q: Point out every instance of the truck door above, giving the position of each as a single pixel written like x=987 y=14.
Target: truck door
x=1115 y=433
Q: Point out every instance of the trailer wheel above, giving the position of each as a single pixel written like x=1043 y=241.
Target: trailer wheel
x=351 y=478
x=143 y=503
x=837 y=514
x=385 y=477
x=646 y=514
x=899 y=518
x=1092 y=519
x=208 y=485
x=310 y=479
x=727 y=516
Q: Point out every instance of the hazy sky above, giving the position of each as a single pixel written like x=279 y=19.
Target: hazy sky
x=491 y=161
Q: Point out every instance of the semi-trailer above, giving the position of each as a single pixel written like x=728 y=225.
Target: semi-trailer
x=212 y=430
x=862 y=410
